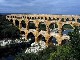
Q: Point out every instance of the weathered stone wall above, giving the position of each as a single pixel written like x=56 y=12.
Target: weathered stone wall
x=47 y=19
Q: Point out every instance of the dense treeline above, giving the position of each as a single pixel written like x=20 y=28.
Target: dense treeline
x=7 y=29
x=69 y=51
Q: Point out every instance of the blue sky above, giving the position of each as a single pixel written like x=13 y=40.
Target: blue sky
x=40 y=6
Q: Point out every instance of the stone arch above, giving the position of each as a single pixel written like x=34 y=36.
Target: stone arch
x=31 y=37
x=23 y=24
x=64 y=41
x=38 y=17
x=52 y=40
x=33 y=18
x=53 y=25
x=54 y=18
x=22 y=32
x=28 y=17
x=11 y=20
x=41 y=37
x=57 y=18
x=67 y=19
x=67 y=26
x=17 y=23
x=73 y=19
x=49 y=18
x=78 y=20
x=45 y=18
x=41 y=17
x=42 y=26
x=31 y=25
x=62 y=19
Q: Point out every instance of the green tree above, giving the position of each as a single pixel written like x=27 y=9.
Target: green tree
x=7 y=29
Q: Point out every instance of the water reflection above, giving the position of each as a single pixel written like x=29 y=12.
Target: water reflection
x=67 y=31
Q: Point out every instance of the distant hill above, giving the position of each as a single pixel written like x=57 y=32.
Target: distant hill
x=13 y=13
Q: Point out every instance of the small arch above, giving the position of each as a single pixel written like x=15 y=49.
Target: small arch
x=42 y=26
x=11 y=21
x=49 y=18
x=57 y=18
x=41 y=17
x=22 y=33
x=32 y=18
x=62 y=19
x=41 y=37
x=54 y=19
x=28 y=18
x=45 y=18
x=23 y=24
x=67 y=19
x=64 y=42
x=35 y=17
x=73 y=19
x=17 y=23
x=38 y=17
x=67 y=26
x=13 y=16
x=78 y=20
x=31 y=25
x=53 y=25
x=31 y=37
x=52 y=40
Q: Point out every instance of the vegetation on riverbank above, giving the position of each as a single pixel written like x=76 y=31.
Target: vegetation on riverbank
x=7 y=29
x=69 y=51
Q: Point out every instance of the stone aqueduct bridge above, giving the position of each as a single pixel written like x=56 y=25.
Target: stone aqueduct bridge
x=60 y=20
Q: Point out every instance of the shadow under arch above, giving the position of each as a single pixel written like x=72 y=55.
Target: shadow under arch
x=31 y=25
x=53 y=26
x=63 y=42
x=22 y=32
x=23 y=24
x=52 y=40
x=31 y=37
x=67 y=26
x=17 y=23
x=42 y=26
x=41 y=37
x=11 y=21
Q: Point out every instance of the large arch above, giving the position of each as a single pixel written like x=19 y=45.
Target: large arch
x=50 y=18
x=78 y=20
x=22 y=33
x=42 y=26
x=31 y=25
x=31 y=37
x=11 y=21
x=62 y=19
x=23 y=24
x=67 y=19
x=53 y=26
x=67 y=26
x=17 y=23
x=73 y=19
x=41 y=37
x=52 y=40
x=64 y=41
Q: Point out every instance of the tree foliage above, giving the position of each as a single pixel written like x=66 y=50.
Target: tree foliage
x=7 y=29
